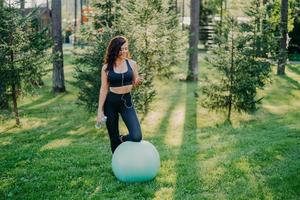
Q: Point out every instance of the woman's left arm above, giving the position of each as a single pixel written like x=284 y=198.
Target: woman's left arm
x=137 y=79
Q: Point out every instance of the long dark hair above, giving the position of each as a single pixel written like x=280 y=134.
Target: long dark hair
x=113 y=50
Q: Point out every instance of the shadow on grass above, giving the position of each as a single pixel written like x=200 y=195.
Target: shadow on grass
x=294 y=68
x=151 y=189
x=162 y=128
x=292 y=82
x=258 y=160
x=47 y=98
x=62 y=151
x=188 y=184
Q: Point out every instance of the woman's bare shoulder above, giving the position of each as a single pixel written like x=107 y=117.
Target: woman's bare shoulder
x=104 y=67
x=132 y=63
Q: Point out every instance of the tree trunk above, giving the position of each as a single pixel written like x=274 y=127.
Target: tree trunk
x=22 y=6
x=22 y=2
x=58 y=62
x=3 y=98
x=221 y=13
x=258 y=22
x=193 y=41
x=231 y=79
x=15 y=97
x=75 y=22
x=81 y=5
x=283 y=40
x=182 y=17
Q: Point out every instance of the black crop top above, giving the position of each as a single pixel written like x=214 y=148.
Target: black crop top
x=120 y=79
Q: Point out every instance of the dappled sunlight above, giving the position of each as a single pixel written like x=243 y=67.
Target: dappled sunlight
x=26 y=125
x=7 y=183
x=164 y=193
x=57 y=144
x=40 y=101
x=157 y=122
x=291 y=71
x=7 y=126
x=286 y=103
x=211 y=176
x=282 y=95
x=153 y=118
x=50 y=105
x=167 y=173
x=244 y=166
x=279 y=157
x=156 y=114
x=208 y=118
x=216 y=141
x=80 y=131
x=275 y=109
x=175 y=129
x=187 y=179
x=32 y=122
x=211 y=162
x=211 y=140
x=209 y=165
x=240 y=118
x=96 y=191
x=5 y=141
x=255 y=182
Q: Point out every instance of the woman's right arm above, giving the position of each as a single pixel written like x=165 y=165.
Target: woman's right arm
x=103 y=92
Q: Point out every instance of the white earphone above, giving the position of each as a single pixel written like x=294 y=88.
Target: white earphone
x=123 y=94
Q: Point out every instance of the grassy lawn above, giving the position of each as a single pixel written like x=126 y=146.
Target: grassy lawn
x=58 y=154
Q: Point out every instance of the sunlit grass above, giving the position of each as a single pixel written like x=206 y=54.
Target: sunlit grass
x=58 y=154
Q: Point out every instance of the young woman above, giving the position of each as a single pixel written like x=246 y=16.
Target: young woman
x=118 y=76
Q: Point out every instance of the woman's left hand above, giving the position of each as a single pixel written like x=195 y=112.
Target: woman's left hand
x=138 y=80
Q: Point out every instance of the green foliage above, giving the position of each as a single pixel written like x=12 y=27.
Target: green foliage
x=294 y=44
x=256 y=159
x=22 y=51
x=109 y=12
x=241 y=70
x=154 y=35
x=259 y=29
x=273 y=15
x=89 y=61
x=156 y=40
x=88 y=68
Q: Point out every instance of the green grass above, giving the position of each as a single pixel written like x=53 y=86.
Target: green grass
x=58 y=154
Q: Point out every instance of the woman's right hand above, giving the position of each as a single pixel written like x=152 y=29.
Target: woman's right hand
x=100 y=117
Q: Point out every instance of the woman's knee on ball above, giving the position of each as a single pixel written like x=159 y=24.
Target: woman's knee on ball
x=136 y=136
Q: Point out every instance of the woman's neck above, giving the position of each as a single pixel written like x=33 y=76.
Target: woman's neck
x=119 y=61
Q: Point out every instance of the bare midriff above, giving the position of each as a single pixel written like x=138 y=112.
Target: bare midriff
x=121 y=90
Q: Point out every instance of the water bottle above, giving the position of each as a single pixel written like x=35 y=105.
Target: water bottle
x=99 y=124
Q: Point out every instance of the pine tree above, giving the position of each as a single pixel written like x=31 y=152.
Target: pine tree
x=151 y=27
x=264 y=40
x=109 y=13
x=272 y=23
x=88 y=68
x=240 y=71
x=22 y=50
x=153 y=30
x=89 y=62
x=3 y=96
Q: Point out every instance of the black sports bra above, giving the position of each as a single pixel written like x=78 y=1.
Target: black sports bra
x=120 y=79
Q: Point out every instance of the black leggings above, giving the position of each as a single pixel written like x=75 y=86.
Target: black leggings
x=121 y=103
